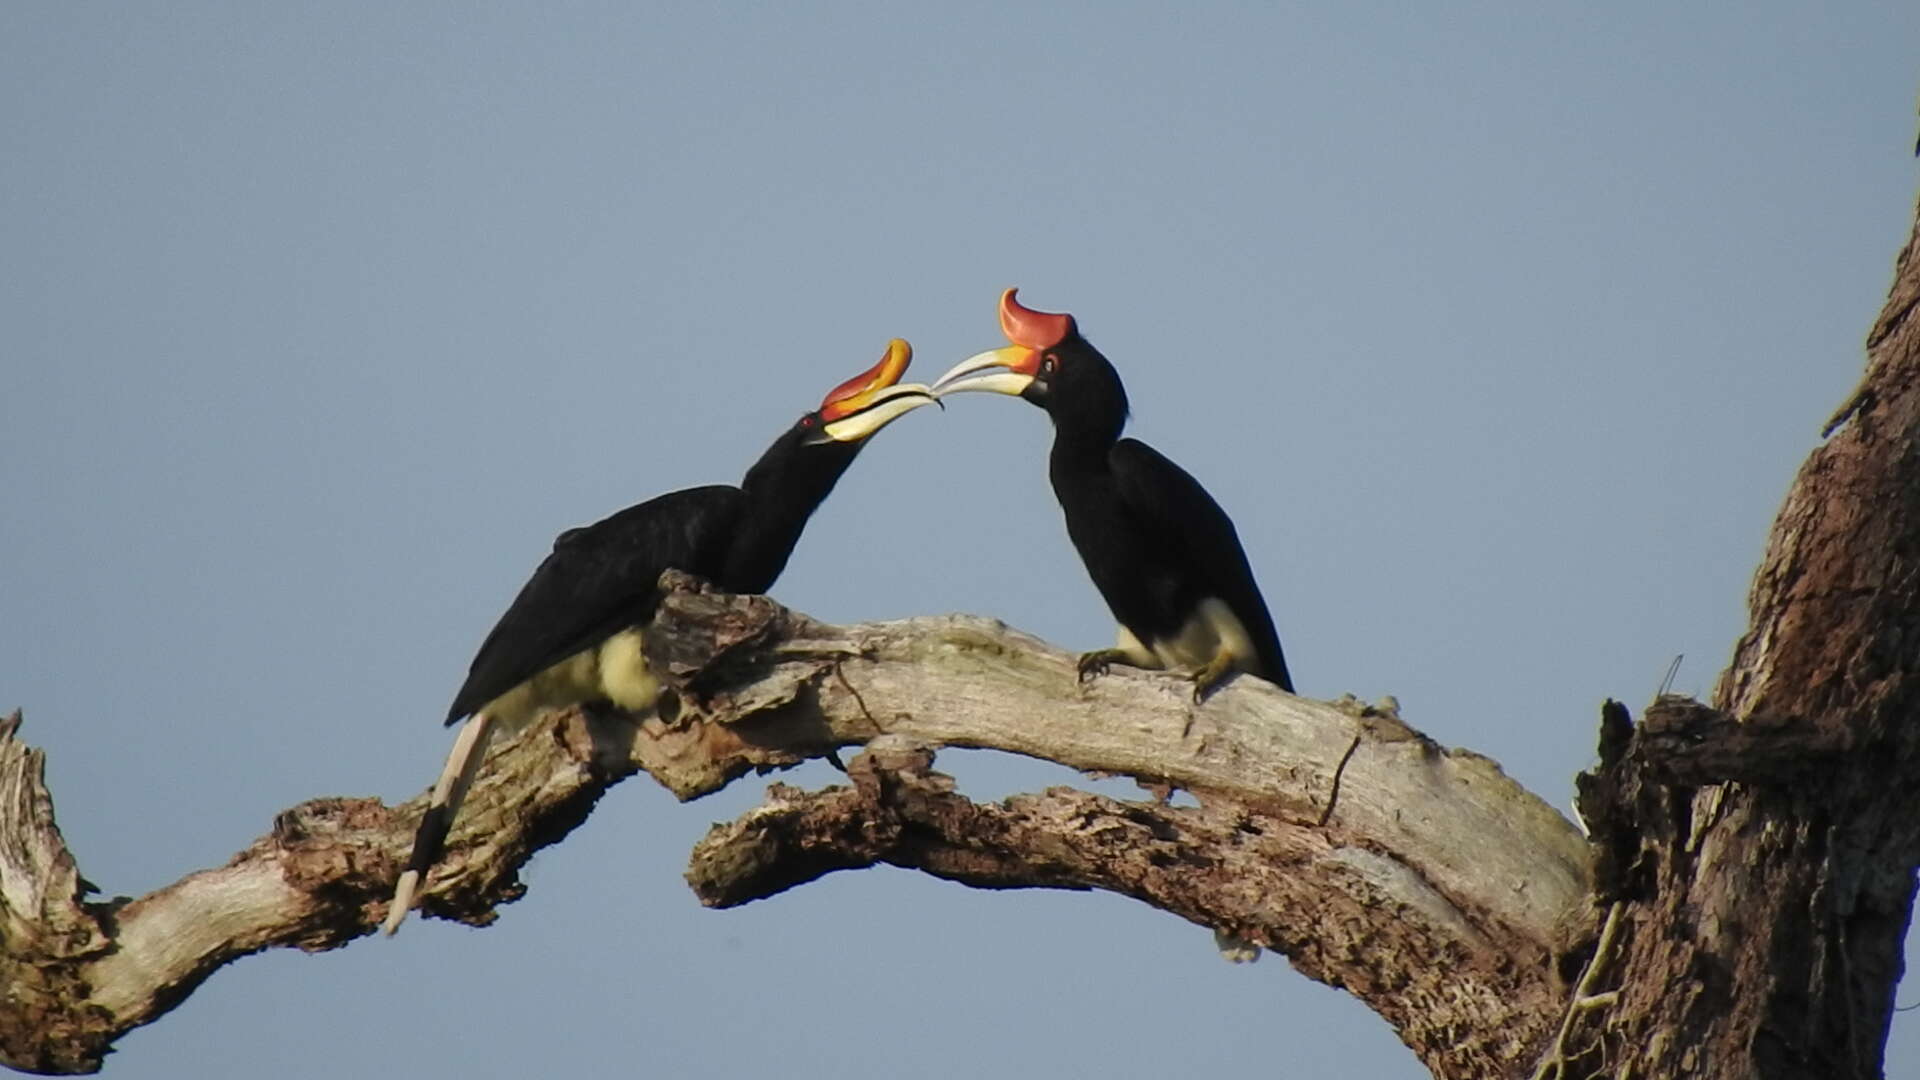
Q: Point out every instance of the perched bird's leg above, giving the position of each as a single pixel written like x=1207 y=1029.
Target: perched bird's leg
x=1099 y=661
x=1208 y=678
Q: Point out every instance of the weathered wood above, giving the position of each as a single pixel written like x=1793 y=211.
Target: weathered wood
x=44 y=930
x=1464 y=992
x=1437 y=889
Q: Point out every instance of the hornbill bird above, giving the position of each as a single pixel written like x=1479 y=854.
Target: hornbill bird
x=1160 y=550
x=574 y=634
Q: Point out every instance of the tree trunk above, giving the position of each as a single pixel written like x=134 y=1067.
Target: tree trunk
x=1767 y=882
x=1738 y=912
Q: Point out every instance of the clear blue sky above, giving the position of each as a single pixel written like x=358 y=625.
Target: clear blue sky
x=1500 y=332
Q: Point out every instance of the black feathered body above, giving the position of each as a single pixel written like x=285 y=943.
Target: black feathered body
x=575 y=632
x=1158 y=547
x=601 y=580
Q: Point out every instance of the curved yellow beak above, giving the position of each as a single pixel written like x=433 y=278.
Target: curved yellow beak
x=1009 y=369
x=871 y=400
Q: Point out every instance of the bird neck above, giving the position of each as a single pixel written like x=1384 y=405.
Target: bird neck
x=1089 y=413
x=782 y=490
x=1081 y=449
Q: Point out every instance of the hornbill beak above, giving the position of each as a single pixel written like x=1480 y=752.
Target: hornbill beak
x=854 y=410
x=1009 y=370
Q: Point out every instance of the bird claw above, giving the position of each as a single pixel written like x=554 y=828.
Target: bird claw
x=1209 y=678
x=1094 y=663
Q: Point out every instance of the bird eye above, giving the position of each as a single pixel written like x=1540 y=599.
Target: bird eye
x=1049 y=363
x=808 y=420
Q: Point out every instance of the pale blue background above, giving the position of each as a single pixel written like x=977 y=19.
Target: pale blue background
x=1500 y=331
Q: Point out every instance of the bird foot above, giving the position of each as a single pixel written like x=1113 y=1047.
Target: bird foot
x=1209 y=678
x=1098 y=662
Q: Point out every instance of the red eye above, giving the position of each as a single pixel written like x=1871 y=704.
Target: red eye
x=809 y=420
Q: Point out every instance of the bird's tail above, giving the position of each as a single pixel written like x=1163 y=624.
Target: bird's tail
x=448 y=792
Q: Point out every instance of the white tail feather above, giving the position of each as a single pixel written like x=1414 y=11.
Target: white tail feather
x=402 y=901
x=463 y=762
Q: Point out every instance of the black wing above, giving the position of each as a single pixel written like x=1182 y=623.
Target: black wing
x=1179 y=513
x=600 y=579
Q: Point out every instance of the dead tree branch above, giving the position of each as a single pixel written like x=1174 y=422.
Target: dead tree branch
x=1439 y=890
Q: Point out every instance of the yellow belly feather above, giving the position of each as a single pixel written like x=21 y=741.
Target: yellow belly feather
x=614 y=670
x=1213 y=629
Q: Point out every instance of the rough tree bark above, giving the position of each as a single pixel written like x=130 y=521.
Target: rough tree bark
x=1763 y=852
x=1739 y=910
